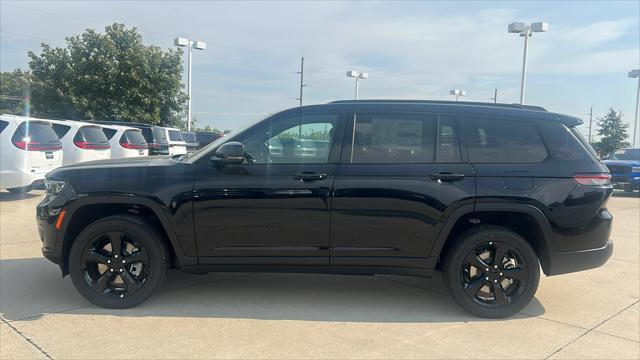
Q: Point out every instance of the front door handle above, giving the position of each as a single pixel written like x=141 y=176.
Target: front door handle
x=443 y=177
x=309 y=176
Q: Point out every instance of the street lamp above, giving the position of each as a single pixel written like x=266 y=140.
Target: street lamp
x=198 y=45
x=358 y=75
x=636 y=74
x=526 y=30
x=458 y=93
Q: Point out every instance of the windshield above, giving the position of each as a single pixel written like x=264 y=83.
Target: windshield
x=626 y=154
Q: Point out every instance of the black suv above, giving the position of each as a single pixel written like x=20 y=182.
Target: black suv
x=489 y=193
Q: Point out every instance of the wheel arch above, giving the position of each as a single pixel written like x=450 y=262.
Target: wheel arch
x=84 y=211
x=532 y=225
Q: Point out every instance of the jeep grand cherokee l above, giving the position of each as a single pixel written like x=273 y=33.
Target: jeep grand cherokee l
x=488 y=193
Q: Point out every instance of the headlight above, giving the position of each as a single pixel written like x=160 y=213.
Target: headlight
x=635 y=169
x=54 y=187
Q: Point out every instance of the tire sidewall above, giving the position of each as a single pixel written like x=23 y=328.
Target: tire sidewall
x=468 y=242
x=146 y=236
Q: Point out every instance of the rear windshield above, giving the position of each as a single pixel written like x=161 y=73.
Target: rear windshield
x=626 y=154
x=189 y=137
x=206 y=138
x=133 y=137
x=36 y=132
x=175 y=135
x=159 y=135
x=91 y=134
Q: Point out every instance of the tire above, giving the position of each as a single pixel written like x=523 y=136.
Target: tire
x=487 y=287
x=104 y=276
x=20 y=190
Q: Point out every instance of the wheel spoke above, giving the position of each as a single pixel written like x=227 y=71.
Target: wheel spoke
x=95 y=257
x=474 y=286
x=132 y=283
x=499 y=254
x=101 y=283
x=476 y=261
x=116 y=243
x=138 y=256
x=515 y=273
x=499 y=294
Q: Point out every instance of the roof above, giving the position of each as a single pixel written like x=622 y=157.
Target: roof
x=442 y=102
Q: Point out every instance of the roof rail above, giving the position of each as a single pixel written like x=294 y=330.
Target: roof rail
x=442 y=102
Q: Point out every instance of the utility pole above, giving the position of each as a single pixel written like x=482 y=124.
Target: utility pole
x=301 y=72
x=590 y=121
x=495 y=96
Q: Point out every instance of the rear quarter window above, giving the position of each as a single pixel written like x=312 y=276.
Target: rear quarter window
x=61 y=130
x=503 y=141
x=562 y=144
x=3 y=125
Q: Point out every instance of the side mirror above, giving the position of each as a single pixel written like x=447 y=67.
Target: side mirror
x=229 y=154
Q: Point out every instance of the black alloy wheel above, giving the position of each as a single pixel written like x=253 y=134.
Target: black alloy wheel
x=492 y=271
x=118 y=261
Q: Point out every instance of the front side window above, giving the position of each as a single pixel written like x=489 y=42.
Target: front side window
x=503 y=141
x=394 y=138
x=304 y=139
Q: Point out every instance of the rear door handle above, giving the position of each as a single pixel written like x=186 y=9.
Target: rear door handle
x=442 y=177
x=309 y=176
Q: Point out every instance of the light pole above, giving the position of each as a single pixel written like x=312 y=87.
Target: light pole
x=526 y=30
x=636 y=74
x=358 y=75
x=457 y=93
x=198 y=45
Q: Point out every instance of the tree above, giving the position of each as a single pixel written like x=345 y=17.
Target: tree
x=110 y=76
x=613 y=133
x=14 y=89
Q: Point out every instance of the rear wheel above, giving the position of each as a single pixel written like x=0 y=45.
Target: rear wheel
x=492 y=272
x=118 y=261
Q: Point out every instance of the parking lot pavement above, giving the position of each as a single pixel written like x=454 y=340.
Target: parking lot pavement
x=591 y=314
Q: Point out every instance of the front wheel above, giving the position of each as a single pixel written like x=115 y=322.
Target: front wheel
x=492 y=272
x=118 y=261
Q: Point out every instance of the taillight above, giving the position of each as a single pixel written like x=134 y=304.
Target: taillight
x=28 y=145
x=593 y=179
x=90 y=146
x=128 y=145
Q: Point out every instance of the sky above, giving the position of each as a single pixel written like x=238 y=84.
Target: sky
x=411 y=50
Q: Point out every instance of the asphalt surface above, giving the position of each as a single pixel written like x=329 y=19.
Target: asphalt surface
x=591 y=314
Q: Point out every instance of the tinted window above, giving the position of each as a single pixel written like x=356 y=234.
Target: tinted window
x=146 y=132
x=109 y=132
x=3 y=125
x=159 y=135
x=561 y=142
x=61 y=130
x=626 y=154
x=175 y=135
x=39 y=133
x=448 y=147
x=91 y=134
x=189 y=137
x=584 y=142
x=503 y=141
x=133 y=137
x=394 y=138
x=294 y=140
x=206 y=138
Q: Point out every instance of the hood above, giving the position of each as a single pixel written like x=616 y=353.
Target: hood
x=113 y=167
x=622 y=162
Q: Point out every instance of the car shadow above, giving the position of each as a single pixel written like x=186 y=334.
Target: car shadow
x=33 y=287
x=6 y=196
x=624 y=194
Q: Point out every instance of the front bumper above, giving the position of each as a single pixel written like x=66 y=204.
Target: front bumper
x=46 y=218
x=626 y=181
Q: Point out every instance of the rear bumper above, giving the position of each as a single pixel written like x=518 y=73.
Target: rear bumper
x=572 y=261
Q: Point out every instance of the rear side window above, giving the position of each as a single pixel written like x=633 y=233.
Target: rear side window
x=35 y=135
x=61 y=130
x=561 y=142
x=448 y=146
x=148 y=135
x=503 y=141
x=133 y=137
x=175 y=135
x=109 y=132
x=3 y=125
x=91 y=134
x=394 y=138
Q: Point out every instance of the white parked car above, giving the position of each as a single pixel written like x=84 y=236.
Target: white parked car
x=81 y=141
x=29 y=150
x=125 y=141
x=177 y=145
